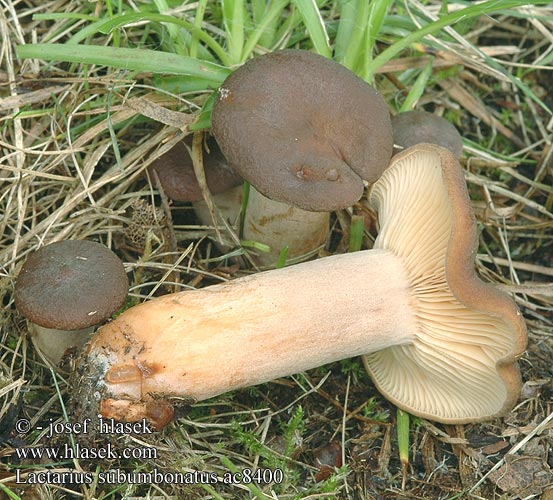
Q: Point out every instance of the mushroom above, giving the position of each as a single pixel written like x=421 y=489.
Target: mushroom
x=302 y=129
x=416 y=126
x=66 y=288
x=266 y=221
x=436 y=340
x=176 y=173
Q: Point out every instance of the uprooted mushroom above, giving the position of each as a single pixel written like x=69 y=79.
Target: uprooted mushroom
x=436 y=340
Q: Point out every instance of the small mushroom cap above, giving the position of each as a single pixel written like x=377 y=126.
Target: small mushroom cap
x=176 y=172
x=302 y=129
x=416 y=127
x=461 y=365
x=71 y=285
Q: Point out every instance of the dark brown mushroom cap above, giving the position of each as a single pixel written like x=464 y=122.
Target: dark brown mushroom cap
x=176 y=172
x=71 y=285
x=302 y=129
x=417 y=127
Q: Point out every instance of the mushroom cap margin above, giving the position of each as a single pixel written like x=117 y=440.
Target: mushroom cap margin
x=454 y=372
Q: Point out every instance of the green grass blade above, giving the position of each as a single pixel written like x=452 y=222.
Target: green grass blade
x=9 y=493
x=179 y=41
x=181 y=85
x=315 y=26
x=377 y=14
x=259 y=9
x=128 y=59
x=354 y=53
x=268 y=22
x=348 y=11
x=203 y=122
x=403 y=441
x=244 y=207
x=418 y=88
x=233 y=20
x=356 y=232
x=106 y=26
x=116 y=37
x=198 y=19
x=282 y=256
x=262 y=247
x=56 y=16
x=483 y=8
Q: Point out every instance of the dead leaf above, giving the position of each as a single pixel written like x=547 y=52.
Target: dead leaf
x=524 y=475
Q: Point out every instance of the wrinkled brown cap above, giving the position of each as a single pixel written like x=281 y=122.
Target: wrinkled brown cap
x=461 y=366
x=71 y=285
x=302 y=129
x=176 y=171
x=416 y=127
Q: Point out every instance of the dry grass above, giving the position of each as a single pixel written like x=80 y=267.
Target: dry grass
x=73 y=150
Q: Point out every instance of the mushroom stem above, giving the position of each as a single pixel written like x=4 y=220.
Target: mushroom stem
x=281 y=225
x=198 y=344
x=54 y=343
x=272 y=223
